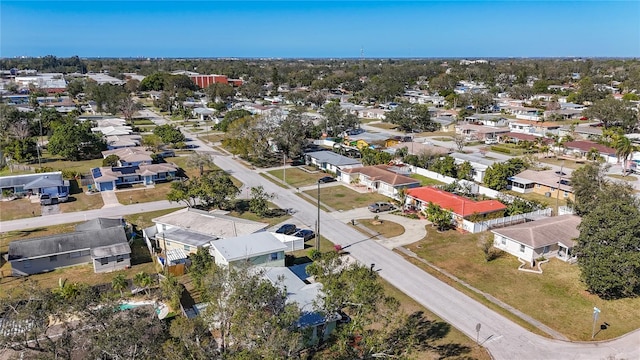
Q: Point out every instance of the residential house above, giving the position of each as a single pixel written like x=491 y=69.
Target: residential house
x=257 y=249
x=446 y=123
x=460 y=207
x=550 y=183
x=479 y=132
x=306 y=295
x=130 y=156
x=562 y=114
x=580 y=149
x=479 y=164
x=110 y=178
x=418 y=148
x=495 y=120
x=369 y=113
x=581 y=132
x=382 y=179
x=190 y=229
x=102 y=242
x=549 y=237
x=203 y=113
x=330 y=161
x=518 y=137
x=50 y=183
x=122 y=141
x=536 y=128
x=523 y=112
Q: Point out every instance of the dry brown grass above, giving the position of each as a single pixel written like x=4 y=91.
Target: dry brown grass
x=388 y=229
x=18 y=209
x=557 y=297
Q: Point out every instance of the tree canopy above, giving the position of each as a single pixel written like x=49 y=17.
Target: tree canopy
x=410 y=117
x=75 y=141
x=608 y=244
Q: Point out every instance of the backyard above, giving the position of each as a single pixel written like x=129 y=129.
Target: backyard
x=557 y=297
x=425 y=181
x=342 y=198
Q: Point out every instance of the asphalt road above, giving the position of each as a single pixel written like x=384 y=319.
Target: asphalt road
x=502 y=337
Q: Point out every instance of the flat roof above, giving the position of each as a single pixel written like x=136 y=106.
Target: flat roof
x=242 y=247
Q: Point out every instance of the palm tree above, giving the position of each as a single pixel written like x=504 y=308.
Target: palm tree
x=119 y=283
x=143 y=280
x=593 y=155
x=624 y=149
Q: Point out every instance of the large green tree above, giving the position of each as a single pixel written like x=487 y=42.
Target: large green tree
x=497 y=175
x=608 y=244
x=75 y=141
x=614 y=113
x=169 y=134
x=588 y=182
x=411 y=117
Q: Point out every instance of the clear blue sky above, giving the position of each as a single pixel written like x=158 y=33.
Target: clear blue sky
x=320 y=29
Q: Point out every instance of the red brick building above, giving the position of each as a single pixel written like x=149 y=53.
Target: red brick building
x=204 y=81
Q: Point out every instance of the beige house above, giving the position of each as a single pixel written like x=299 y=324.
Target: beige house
x=379 y=178
x=546 y=182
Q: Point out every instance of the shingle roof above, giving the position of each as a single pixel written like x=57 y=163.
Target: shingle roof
x=22 y=180
x=588 y=145
x=546 y=177
x=457 y=204
x=99 y=223
x=61 y=243
x=551 y=230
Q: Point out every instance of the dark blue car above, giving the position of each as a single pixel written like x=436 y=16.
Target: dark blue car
x=306 y=234
x=287 y=229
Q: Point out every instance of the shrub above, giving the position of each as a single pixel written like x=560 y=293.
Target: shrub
x=314 y=254
x=490 y=253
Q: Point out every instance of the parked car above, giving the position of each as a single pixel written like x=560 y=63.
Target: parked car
x=326 y=179
x=380 y=206
x=491 y=141
x=287 y=229
x=46 y=199
x=306 y=234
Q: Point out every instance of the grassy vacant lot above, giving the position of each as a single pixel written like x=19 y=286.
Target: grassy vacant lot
x=425 y=181
x=296 y=177
x=557 y=297
x=385 y=228
x=342 y=198
x=384 y=125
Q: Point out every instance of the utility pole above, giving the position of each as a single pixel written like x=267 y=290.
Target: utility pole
x=318 y=224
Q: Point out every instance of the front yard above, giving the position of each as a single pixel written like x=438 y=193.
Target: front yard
x=342 y=198
x=557 y=297
x=297 y=177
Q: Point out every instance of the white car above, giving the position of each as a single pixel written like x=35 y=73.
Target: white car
x=491 y=141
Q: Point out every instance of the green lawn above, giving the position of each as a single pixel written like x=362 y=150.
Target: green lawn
x=384 y=125
x=557 y=297
x=342 y=198
x=621 y=177
x=296 y=177
x=567 y=163
x=143 y=194
x=425 y=181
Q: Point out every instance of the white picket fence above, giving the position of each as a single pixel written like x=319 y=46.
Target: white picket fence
x=502 y=222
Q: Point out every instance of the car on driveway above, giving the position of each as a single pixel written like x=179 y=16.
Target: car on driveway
x=306 y=234
x=46 y=199
x=326 y=179
x=287 y=229
x=380 y=206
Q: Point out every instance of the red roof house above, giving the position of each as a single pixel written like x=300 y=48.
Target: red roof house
x=459 y=205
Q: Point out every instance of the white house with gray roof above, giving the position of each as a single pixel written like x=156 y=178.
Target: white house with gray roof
x=258 y=249
x=549 y=237
x=479 y=164
x=330 y=161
